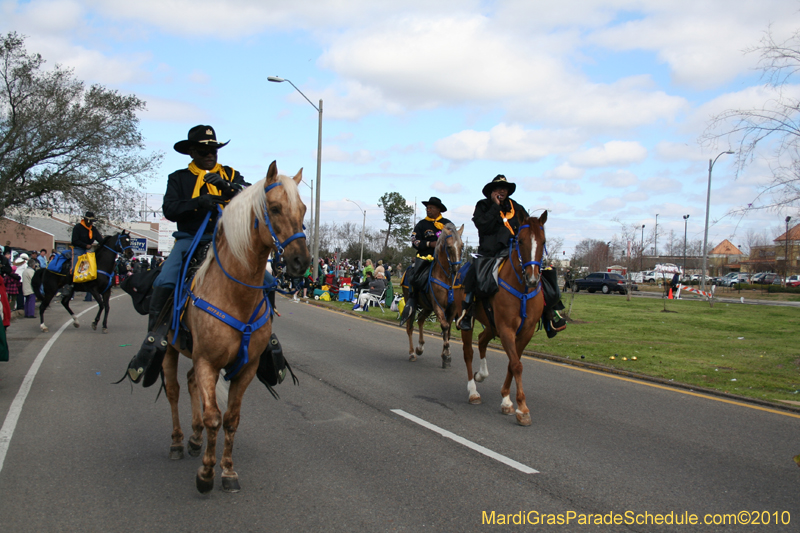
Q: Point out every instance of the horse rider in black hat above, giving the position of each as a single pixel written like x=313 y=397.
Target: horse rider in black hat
x=84 y=235
x=191 y=193
x=498 y=219
x=423 y=240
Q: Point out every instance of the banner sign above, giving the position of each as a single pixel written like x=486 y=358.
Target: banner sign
x=139 y=245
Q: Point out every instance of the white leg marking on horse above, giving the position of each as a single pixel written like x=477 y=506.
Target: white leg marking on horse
x=483 y=373
x=43 y=327
x=506 y=402
x=471 y=388
x=519 y=412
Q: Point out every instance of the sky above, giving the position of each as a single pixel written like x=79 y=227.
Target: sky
x=593 y=108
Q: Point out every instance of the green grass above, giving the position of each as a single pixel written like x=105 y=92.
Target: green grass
x=749 y=350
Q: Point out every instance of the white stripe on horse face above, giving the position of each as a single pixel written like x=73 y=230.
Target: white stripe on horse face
x=534 y=252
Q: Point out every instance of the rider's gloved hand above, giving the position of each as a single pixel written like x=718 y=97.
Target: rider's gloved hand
x=226 y=187
x=209 y=201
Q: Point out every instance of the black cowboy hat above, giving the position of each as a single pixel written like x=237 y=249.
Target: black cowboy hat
x=435 y=202
x=199 y=135
x=499 y=181
x=89 y=216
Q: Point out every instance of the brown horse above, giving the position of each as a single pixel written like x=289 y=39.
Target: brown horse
x=443 y=294
x=512 y=314
x=262 y=214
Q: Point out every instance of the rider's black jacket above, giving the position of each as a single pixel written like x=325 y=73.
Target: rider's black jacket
x=424 y=232
x=81 y=239
x=180 y=207
x=493 y=235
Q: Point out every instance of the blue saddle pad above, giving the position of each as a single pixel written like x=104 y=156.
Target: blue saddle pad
x=57 y=263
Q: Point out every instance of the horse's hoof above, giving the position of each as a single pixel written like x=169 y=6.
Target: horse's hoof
x=176 y=452
x=475 y=400
x=231 y=483
x=43 y=328
x=94 y=326
x=507 y=409
x=523 y=419
x=478 y=377
x=446 y=362
x=76 y=324
x=204 y=486
x=105 y=330
x=418 y=350
x=194 y=448
x=412 y=357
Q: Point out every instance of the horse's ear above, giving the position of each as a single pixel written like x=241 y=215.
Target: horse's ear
x=298 y=177
x=460 y=230
x=272 y=173
x=543 y=218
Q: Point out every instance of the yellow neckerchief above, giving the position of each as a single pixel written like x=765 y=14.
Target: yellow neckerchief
x=508 y=216
x=200 y=173
x=438 y=225
x=90 y=230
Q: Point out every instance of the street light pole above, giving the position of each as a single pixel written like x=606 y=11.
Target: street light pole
x=708 y=206
x=363 y=227
x=685 y=225
x=655 y=246
x=315 y=247
x=312 y=199
x=786 y=254
x=641 y=259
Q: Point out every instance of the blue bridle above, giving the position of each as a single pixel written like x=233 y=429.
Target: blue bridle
x=523 y=297
x=117 y=244
x=255 y=322
x=452 y=274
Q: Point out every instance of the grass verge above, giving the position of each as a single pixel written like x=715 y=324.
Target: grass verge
x=748 y=350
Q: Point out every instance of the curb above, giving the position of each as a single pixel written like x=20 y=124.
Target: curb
x=599 y=368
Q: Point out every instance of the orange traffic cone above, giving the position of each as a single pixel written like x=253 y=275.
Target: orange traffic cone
x=670 y=293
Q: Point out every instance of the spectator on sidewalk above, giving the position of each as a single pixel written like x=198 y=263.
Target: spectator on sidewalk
x=27 y=289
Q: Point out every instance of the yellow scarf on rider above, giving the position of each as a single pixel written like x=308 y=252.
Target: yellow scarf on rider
x=508 y=216
x=90 y=230
x=438 y=225
x=200 y=173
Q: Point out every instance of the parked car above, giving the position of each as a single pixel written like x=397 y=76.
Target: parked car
x=604 y=282
x=650 y=276
x=766 y=278
x=793 y=281
x=732 y=278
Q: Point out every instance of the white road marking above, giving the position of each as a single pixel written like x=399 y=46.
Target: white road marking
x=469 y=444
x=7 y=431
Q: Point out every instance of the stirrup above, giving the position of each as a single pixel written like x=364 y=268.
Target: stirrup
x=465 y=320
x=408 y=312
x=147 y=362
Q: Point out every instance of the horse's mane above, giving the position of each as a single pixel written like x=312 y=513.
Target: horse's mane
x=236 y=223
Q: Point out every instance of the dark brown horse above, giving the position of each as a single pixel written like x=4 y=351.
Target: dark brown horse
x=512 y=314
x=266 y=212
x=443 y=294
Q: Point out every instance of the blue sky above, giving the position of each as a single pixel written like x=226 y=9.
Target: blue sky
x=593 y=107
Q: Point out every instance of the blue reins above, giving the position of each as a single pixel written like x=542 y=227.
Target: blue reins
x=523 y=297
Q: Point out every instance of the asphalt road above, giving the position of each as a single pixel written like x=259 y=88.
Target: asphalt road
x=333 y=455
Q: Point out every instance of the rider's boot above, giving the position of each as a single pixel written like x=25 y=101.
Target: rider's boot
x=272 y=366
x=554 y=323
x=147 y=362
x=465 y=320
x=408 y=310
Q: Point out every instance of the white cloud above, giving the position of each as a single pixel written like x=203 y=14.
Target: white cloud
x=166 y=110
x=565 y=172
x=612 y=153
x=443 y=188
x=618 y=179
x=332 y=152
x=675 y=151
x=506 y=143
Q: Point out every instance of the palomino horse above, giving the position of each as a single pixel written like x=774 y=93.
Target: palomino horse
x=511 y=314
x=259 y=220
x=442 y=295
x=106 y=259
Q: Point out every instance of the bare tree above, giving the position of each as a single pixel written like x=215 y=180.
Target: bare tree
x=774 y=127
x=65 y=145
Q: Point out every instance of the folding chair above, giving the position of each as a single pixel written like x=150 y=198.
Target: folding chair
x=373 y=299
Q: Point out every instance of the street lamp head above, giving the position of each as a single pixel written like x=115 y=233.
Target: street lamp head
x=276 y=79
x=788 y=218
x=642 y=226
x=685 y=217
x=729 y=152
